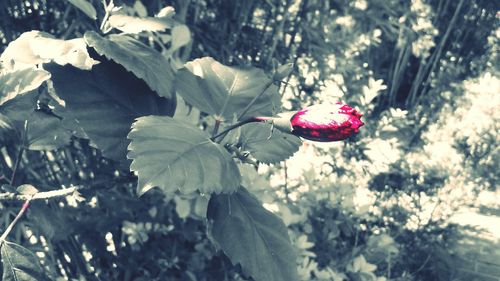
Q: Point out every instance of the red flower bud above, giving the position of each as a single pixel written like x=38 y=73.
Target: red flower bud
x=332 y=122
x=325 y=122
x=322 y=122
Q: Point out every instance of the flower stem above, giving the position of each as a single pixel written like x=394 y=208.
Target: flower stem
x=239 y=124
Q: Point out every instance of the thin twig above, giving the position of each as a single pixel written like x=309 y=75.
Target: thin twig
x=255 y=99
x=40 y=195
x=16 y=165
x=16 y=219
x=216 y=128
x=20 y=153
x=285 y=168
x=107 y=10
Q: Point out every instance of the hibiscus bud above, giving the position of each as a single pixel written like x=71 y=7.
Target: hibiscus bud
x=326 y=122
x=323 y=122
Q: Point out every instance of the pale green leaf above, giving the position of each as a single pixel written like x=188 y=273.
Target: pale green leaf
x=166 y=12
x=20 y=81
x=226 y=91
x=27 y=189
x=86 y=7
x=130 y=24
x=180 y=36
x=266 y=144
x=173 y=154
x=186 y=112
x=105 y=101
x=140 y=9
x=20 y=264
x=252 y=236
x=182 y=207
x=145 y=62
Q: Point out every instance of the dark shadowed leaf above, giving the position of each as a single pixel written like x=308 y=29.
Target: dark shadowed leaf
x=252 y=236
x=20 y=264
x=45 y=131
x=105 y=101
x=173 y=154
x=225 y=91
x=145 y=62
x=266 y=144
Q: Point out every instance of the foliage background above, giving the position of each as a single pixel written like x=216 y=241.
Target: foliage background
x=377 y=207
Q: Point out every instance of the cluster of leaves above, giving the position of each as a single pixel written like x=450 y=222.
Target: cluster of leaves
x=120 y=94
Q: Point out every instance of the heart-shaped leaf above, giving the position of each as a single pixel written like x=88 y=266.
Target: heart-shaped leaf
x=252 y=236
x=173 y=154
x=227 y=91
x=266 y=144
x=105 y=101
x=20 y=264
x=145 y=62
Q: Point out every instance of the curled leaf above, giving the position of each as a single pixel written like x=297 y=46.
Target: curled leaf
x=36 y=47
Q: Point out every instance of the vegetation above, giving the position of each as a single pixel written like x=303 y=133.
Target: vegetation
x=113 y=165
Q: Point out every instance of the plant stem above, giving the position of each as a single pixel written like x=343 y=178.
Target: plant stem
x=287 y=192
x=24 y=136
x=255 y=99
x=239 y=124
x=16 y=219
x=216 y=127
x=107 y=10
x=16 y=165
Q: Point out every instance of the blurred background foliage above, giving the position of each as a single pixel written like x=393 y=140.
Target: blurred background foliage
x=378 y=207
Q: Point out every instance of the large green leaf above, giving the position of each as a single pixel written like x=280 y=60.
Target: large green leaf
x=20 y=81
x=252 y=236
x=145 y=62
x=105 y=101
x=20 y=264
x=174 y=154
x=226 y=91
x=268 y=145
